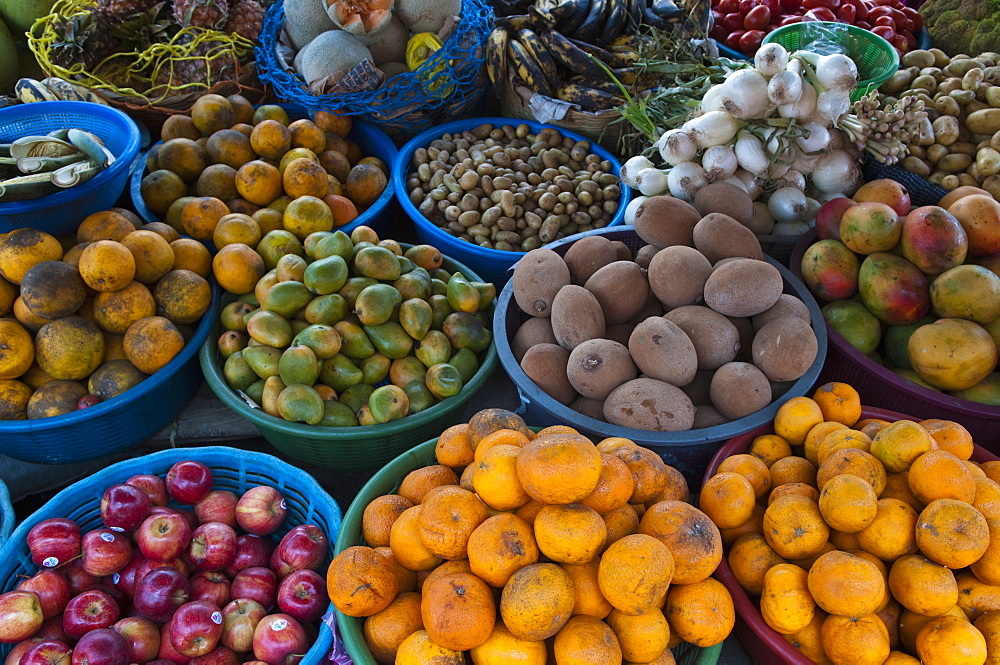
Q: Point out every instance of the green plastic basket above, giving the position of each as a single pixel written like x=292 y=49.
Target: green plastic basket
x=875 y=58
x=386 y=481
x=349 y=448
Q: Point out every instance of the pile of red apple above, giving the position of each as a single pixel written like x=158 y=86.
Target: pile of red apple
x=165 y=585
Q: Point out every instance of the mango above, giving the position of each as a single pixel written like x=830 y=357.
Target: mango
x=375 y=304
x=299 y=403
x=269 y=328
x=250 y=299
x=420 y=397
x=354 y=286
x=230 y=342
x=830 y=270
x=264 y=284
x=416 y=316
x=427 y=257
x=309 y=244
x=237 y=372
x=273 y=385
x=322 y=339
x=405 y=371
x=466 y=362
x=326 y=276
x=298 y=364
x=405 y=265
x=487 y=293
x=290 y=268
x=365 y=417
x=439 y=287
x=276 y=244
x=286 y=298
x=263 y=360
x=462 y=296
x=893 y=289
x=854 y=323
x=374 y=368
x=390 y=339
x=255 y=391
x=465 y=330
x=233 y=316
x=337 y=243
x=354 y=341
x=442 y=310
x=327 y=310
x=377 y=263
x=340 y=373
x=336 y=414
x=896 y=339
x=433 y=349
x=388 y=403
x=414 y=284
x=356 y=396
x=440 y=274
x=443 y=380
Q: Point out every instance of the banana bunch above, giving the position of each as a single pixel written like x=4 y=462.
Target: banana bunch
x=53 y=89
x=537 y=48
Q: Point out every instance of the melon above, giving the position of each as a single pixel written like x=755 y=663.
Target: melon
x=389 y=43
x=426 y=15
x=331 y=52
x=360 y=17
x=305 y=20
x=20 y=15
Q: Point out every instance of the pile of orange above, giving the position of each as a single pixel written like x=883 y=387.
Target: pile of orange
x=520 y=547
x=865 y=541
x=93 y=314
x=251 y=181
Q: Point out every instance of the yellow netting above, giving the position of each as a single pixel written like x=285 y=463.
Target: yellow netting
x=153 y=74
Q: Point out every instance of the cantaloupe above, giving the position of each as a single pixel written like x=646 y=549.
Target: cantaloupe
x=389 y=43
x=331 y=52
x=305 y=20
x=360 y=17
x=426 y=15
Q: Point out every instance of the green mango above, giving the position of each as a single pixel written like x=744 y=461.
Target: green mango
x=465 y=330
x=405 y=265
x=358 y=246
x=309 y=244
x=325 y=276
x=340 y=373
x=356 y=396
x=414 y=284
x=263 y=360
x=375 y=304
x=269 y=328
x=440 y=274
x=443 y=380
x=336 y=414
x=290 y=268
x=377 y=263
x=234 y=315
x=354 y=286
x=264 y=284
x=337 y=243
x=255 y=391
x=442 y=310
x=416 y=317
x=364 y=234
x=438 y=287
x=273 y=385
x=276 y=244
x=420 y=397
x=286 y=298
x=425 y=256
x=405 y=371
x=391 y=245
x=298 y=325
x=375 y=368
x=300 y=403
x=230 y=342
x=323 y=340
x=298 y=364
x=365 y=417
x=249 y=298
x=487 y=293
x=388 y=403
x=462 y=296
x=354 y=342
x=466 y=362
x=237 y=372
x=390 y=339
x=433 y=349
x=326 y=310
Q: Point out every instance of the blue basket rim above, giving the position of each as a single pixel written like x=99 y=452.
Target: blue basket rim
x=402 y=164
x=529 y=391
x=147 y=385
x=124 y=161
x=7 y=519
x=364 y=127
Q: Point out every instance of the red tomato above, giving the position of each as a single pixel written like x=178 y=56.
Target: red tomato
x=886 y=21
x=750 y=41
x=746 y=6
x=885 y=32
x=847 y=12
x=864 y=25
x=758 y=18
x=717 y=17
x=785 y=20
x=914 y=16
x=860 y=8
x=911 y=41
x=718 y=32
x=905 y=24
x=878 y=11
x=819 y=14
x=733 y=40
x=773 y=5
x=728 y=6
x=832 y=5
x=789 y=6
x=899 y=41
x=732 y=21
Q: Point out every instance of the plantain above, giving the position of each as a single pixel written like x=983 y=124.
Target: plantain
x=610 y=58
x=636 y=9
x=589 y=99
x=496 y=56
x=570 y=15
x=536 y=49
x=604 y=85
x=526 y=67
x=517 y=22
x=544 y=9
x=29 y=91
x=614 y=22
x=590 y=29
x=71 y=91
x=569 y=55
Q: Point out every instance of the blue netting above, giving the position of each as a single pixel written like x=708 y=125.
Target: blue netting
x=450 y=85
x=922 y=192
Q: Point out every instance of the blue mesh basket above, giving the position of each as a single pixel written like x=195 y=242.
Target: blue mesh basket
x=232 y=469
x=923 y=192
x=6 y=514
x=62 y=212
x=408 y=106
x=120 y=422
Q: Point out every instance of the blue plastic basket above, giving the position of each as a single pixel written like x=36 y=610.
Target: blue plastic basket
x=62 y=212
x=373 y=143
x=410 y=104
x=6 y=514
x=120 y=422
x=234 y=470
x=491 y=264
x=689 y=452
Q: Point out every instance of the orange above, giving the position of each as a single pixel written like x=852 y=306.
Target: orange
x=871 y=426
x=952 y=533
x=107 y=265
x=701 y=613
x=991 y=469
x=238 y=268
x=501 y=437
x=115 y=311
x=405 y=578
x=794 y=527
x=236 y=227
x=642 y=637
x=495 y=479
x=406 y=544
x=897 y=486
x=458 y=611
x=620 y=522
x=839 y=402
x=635 y=573
x=692 y=538
x=859 y=641
x=752 y=468
x=844 y=541
x=769 y=448
x=891 y=533
x=151 y=343
x=333 y=123
x=815 y=437
x=853 y=461
x=845 y=584
x=676 y=488
x=182 y=296
x=785 y=603
x=923 y=586
x=792 y=469
x=342 y=208
x=899 y=444
x=890 y=616
x=952 y=641
x=361 y=582
x=569 y=533
x=950 y=436
x=307 y=214
x=201 y=215
x=585 y=639
x=448 y=518
x=537 y=601
x=420 y=481
x=487 y=420
x=939 y=474
x=153 y=255
x=989 y=625
x=386 y=630
x=189 y=254
x=306 y=134
x=844 y=438
x=727 y=498
x=793 y=488
x=258 y=182
x=446 y=568
x=848 y=503
x=378 y=517
x=270 y=139
x=558 y=469
x=104 y=225
x=807 y=641
x=499 y=547
x=503 y=647
x=586 y=587
x=17 y=349
x=419 y=649
x=750 y=557
x=795 y=418
x=304 y=177
x=649 y=473
x=452 y=448
x=615 y=486
x=976 y=598
x=987 y=499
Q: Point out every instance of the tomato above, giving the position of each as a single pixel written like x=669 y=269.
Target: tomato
x=885 y=32
x=773 y=5
x=847 y=12
x=750 y=41
x=886 y=21
x=860 y=8
x=732 y=21
x=899 y=41
x=790 y=18
x=914 y=15
x=911 y=41
x=819 y=14
x=789 y=6
x=733 y=40
x=864 y=25
x=746 y=6
x=728 y=6
x=832 y=5
x=878 y=11
x=905 y=24
x=758 y=18
x=718 y=32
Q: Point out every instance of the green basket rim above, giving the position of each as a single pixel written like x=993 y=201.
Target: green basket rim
x=213 y=376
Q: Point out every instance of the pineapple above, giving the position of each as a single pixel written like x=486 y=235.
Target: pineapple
x=210 y=14
x=123 y=9
x=246 y=19
x=210 y=62
x=140 y=30
x=84 y=38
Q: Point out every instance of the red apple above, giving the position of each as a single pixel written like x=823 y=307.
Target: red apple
x=303 y=596
x=148 y=566
x=191 y=518
x=261 y=510
x=217 y=656
x=101 y=647
x=54 y=542
x=124 y=507
x=91 y=610
x=189 y=482
x=251 y=552
x=52 y=590
x=167 y=650
x=142 y=636
x=828 y=218
x=124 y=580
x=213 y=546
x=160 y=593
x=279 y=640
x=19 y=649
x=105 y=552
x=211 y=586
x=153 y=486
x=162 y=661
x=163 y=537
x=195 y=628
x=260 y=584
x=52 y=629
x=20 y=616
x=217 y=506
x=49 y=652
x=302 y=548
x=239 y=620
x=79 y=580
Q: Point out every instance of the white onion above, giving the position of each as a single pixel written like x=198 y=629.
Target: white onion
x=744 y=95
x=812 y=207
x=804 y=107
x=835 y=172
x=771 y=59
x=651 y=181
x=677 y=146
x=751 y=183
x=836 y=72
x=631 y=167
x=632 y=206
x=750 y=154
x=785 y=88
x=818 y=138
x=804 y=163
x=832 y=104
x=719 y=162
x=787 y=204
x=778 y=170
x=735 y=181
x=710 y=102
x=712 y=128
x=794 y=179
x=686 y=179
x=790 y=228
